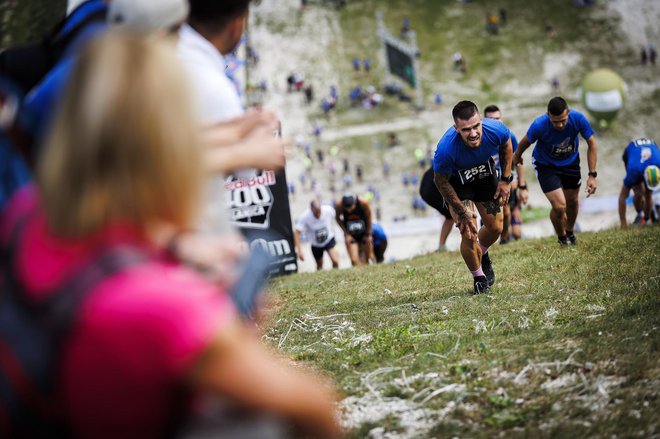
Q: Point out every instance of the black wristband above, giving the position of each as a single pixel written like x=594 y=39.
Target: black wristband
x=593 y=174
x=522 y=186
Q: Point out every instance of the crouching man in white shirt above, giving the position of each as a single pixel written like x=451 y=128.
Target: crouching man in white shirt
x=317 y=223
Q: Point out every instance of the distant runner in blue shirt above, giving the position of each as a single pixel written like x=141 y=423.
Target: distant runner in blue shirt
x=380 y=242
x=557 y=162
x=642 y=160
x=465 y=172
x=512 y=211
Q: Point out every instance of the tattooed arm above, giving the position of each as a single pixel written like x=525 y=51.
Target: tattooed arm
x=464 y=217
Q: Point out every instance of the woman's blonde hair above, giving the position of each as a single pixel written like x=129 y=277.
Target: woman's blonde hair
x=124 y=145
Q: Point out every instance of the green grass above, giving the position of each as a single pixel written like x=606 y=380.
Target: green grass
x=30 y=22
x=566 y=344
x=535 y=213
x=445 y=26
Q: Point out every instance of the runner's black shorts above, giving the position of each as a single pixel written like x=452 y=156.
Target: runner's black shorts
x=555 y=177
x=318 y=251
x=481 y=190
x=431 y=196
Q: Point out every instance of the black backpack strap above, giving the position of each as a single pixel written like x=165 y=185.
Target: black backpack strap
x=26 y=65
x=66 y=300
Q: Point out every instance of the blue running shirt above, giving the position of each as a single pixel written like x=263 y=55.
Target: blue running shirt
x=558 y=148
x=452 y=155
x=639 y=154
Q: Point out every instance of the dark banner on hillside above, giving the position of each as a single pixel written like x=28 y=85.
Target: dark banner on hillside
x=259 y=207
x=400 y=63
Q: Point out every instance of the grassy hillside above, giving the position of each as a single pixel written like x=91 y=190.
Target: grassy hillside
x=566 y=345
x=28 y=21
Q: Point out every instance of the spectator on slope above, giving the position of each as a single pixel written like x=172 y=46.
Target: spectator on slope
x=317 y=223
x=353 y=214
x=309 y=93
x=326 y=107
x=492 y=26
x=420 y=157
x=358 y=173
x=512 y=214
x=643 y=55
x=503 y=17
x=348 y=181
x=356 y=65
x=554 y=83
x=556 y=160
x=317 y=129
x=465 y=171
x=458 y=60
x=405 y=28
x=641 y=159
x=290 y=81
x=393 y=139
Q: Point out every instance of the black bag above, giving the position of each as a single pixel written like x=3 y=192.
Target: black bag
x=31 y=336
x=27 y=65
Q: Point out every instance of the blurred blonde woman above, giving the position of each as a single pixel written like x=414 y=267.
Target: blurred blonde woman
x=123 y=168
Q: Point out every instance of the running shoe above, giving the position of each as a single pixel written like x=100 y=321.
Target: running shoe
x=481 y=285
x=639 y=219
x=571 y=238
x=488 y=269
x=563 y=241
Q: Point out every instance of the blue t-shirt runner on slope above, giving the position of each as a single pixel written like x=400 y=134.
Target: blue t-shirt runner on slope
x=557 y=163
x=465 y=172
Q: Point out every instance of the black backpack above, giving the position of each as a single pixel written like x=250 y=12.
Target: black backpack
x=27 y=65
x=31 y=336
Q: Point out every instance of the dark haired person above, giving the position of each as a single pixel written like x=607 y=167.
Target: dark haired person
x=512 y=217
x=353 y=215
x=465 y=172
x=557 y=162
x=214 y=29
x=642 y=161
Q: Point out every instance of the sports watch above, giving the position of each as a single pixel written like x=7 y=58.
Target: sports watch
x=593 y=174
x=508 y=179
